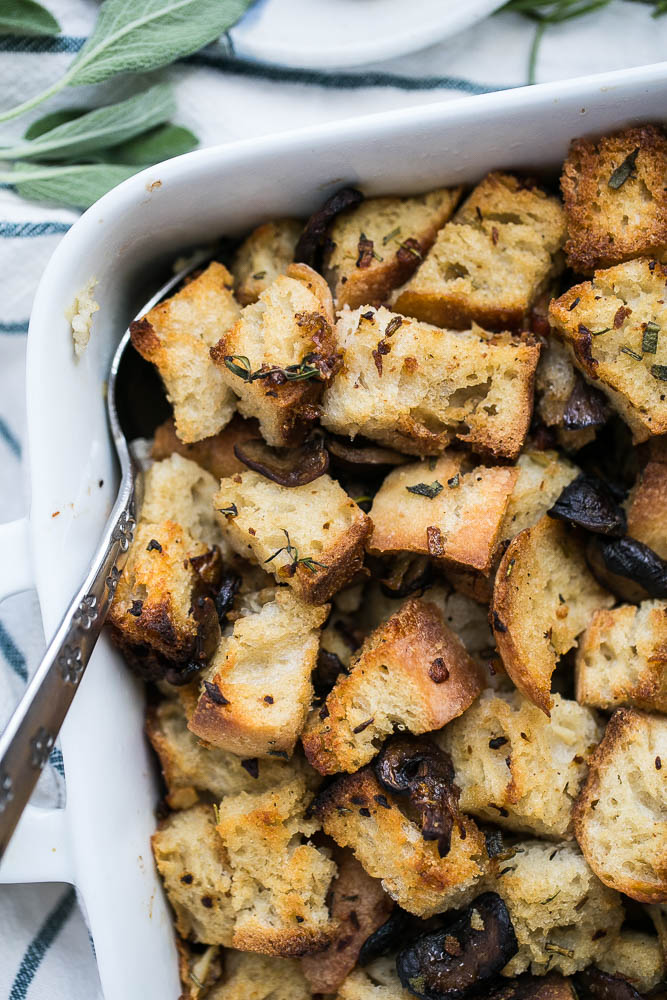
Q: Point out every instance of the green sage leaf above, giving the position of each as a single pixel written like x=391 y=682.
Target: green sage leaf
x=26 y=17
x=52 y=120
x=425 y=489
x=161 y=143
x=99 y=129
x=133 y=36
x=622 y=172
x=76 y=186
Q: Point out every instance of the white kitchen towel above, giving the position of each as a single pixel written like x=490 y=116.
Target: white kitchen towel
x=45 y=948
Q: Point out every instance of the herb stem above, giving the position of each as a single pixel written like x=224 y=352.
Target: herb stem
x=534 y=51
x=32 y=102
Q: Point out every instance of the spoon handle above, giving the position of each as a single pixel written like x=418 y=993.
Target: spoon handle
x=30 y=735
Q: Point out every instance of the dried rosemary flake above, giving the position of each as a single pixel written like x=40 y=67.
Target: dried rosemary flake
x=231 y=511
x=453 y=482
x=622 y=172
x=598 y=333
x=242 y=369
x=632 y=354
x=650 y=338
x=390 y=236
x=510 y=567
x=426 y=490
x=259 y=275
x=574 y=304
x=659 y=372
x=557 y=950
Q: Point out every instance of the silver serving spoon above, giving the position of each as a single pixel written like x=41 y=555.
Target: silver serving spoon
x=31 y=732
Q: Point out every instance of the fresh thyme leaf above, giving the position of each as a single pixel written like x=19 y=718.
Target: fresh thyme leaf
x=650 y=338
x=622 y=172
x=310 y=564
x=293 y=554
x=293 y=373
x=242 y=369
x=598 y=333
x=425 y=489
x=632 y=354
x=659 y=372
x=26 y=17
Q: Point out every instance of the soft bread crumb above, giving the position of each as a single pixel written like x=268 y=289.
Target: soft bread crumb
x=80 y=316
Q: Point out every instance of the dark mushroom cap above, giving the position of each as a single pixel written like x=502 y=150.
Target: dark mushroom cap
x=224 y=597
x=586 y=407
x=451 y=963
x=628 y=568
x=592 y=982
x=423 y=772
x=361 y=456
x=407 y=575
x=285 y=466
x=388 y=937
x=588 y=503
x=308 y=249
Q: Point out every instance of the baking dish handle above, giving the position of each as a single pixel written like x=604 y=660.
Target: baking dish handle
x=39 y=852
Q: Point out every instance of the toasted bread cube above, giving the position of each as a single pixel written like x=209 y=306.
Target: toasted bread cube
x=257 y=691
x=492 y=261
x=178 y=489
x=635 y=957
x=176 y=336
x=215 y=454
x=616 y=329
x=289 y=327
x=279 y=880
x=417 y=388
x=359 y=905
x=324 y=529
x=412 y=670
x=359 y=813
x=563 y=916
x=197 y=879
x=191 y=769
x=156 y=600
x=542 y=477
x=647 y=508
x=619 y=818
x=377 y=981
x=377 y=245
x=260 y=977
x=459 y=525
x=265 y=254
x=515 y=767
x=544 y=596
x=622 y=658
x=615 y=200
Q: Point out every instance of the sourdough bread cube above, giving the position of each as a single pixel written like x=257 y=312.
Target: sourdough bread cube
x=492 y=261
x=412 y=672
x=615 y=200
x=563 y=916
x=197 y=878
x=326 y=530
x=459 y=525
x=542 y=477
x=635 y=957
x=360 y=814
x=215 y=454
x=379 y=244
x=257 y=690
x=544 y=596
x=279 y=879
x=619 y=818
x=176 y=336
x=377 y=981
x=191 y=769
x=359 y=905
x=263 y=256
x=160 y=599
x=260 y=977
x=178 y=489
x=291 y=324
x=615 y=327
x=515 y=767
x=416 y=388
x=647 y=508
x=622 y=658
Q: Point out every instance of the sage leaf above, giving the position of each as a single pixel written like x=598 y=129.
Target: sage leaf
x=26 y=17
x=73 y=185
x=425 y=489
x=98 y=129
x=47 y=122
x=133 y=36
x=622 y=172
x=160 y=143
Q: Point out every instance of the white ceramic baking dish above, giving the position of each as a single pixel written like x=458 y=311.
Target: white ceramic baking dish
x=100 y=841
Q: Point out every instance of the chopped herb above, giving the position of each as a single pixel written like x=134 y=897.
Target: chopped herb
x=365 y=251
x=658 y=764
x=426 y=490
x=231 y=511
x=259 y=275
x=364 y=811
x=368 y=315
x=135 y=610
x=659 y=372
x=393 y=325
x=632 y=354
x=550 y=899
x=557 y=950
x=311 y=564
x=215 y=694
x=453 y=482
x=650 y=338
x=198 y=983
x=239 y=365
x=242 y=369
x=293 y=554
x=153 y=544
x=598 y=333
x=268 y=698
x=622 y=172
x=408 y=247
x=510 y=567
x=216 y=813
x=363 y=725
x=574 y=304
x=390 y=236
x=382 y=801
x=497 y=741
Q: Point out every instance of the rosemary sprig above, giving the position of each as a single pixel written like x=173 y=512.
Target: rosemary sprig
x=239 y=365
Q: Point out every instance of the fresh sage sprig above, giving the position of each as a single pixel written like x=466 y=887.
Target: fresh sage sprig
x=133 y=36
x=26 y=17
x=76 y=185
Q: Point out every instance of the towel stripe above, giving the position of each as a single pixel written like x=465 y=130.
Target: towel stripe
x=28 y=230
x=56 y=758
x=7 y=435
x=19 y=327
x=12 y=654
x=26 y=43
x=40 y=944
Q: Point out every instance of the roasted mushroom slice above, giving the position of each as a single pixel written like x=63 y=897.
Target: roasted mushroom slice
x=309 y=248
x=585 y=407
x=407 y=575
x=285 y=466
x=362 y=457
x=601 y=986
x=636 y=562
x=587 y=502
x=424 y=773
x=550 y=987
x=387 y=938
x=451 y=963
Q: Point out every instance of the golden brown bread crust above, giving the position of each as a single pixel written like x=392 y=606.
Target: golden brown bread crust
x=412 y=668
x=359 y=906
x=544 y=595
x=215 y=453
x=647 y=508
x=359 y=813
x=263 y=255
x=607 y=225
x=619 y=817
